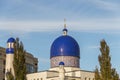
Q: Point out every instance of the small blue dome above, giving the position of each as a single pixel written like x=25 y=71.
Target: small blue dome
x=65 y=46
x=61 y=63
x=65 y=30
x=11 y=40
x=9 y=50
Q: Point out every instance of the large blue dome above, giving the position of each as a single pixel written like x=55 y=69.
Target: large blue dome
x=65 y=46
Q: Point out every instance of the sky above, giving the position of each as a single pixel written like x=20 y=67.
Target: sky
x=39 y=22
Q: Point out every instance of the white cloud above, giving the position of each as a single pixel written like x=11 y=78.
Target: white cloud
x=99 y=24
x=28 y=26
x=107 y=5
x=81 y=25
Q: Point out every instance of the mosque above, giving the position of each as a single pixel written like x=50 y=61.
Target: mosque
x=64 y=61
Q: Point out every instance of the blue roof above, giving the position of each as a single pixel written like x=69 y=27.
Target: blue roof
x=9 y=50
x=11 y=40
x=65 y=46
x=61 y=63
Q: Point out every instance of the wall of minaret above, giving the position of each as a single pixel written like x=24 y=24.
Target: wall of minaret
x=9 y=58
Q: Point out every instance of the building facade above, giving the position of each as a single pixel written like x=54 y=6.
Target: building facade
x=31 y=63
x=2 y=63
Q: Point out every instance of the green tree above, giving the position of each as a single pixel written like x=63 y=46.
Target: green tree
x=19 y=61
x=104 y=61
x=9 y=76
x=114 y=74
x=97 y=75
x=106 y=72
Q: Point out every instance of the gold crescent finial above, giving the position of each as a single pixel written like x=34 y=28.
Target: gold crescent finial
x=65 y=23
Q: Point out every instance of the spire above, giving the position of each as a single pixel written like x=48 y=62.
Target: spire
x=65 y=30
x=64 y=23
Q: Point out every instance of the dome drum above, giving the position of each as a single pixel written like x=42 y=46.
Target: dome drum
x=69 y=61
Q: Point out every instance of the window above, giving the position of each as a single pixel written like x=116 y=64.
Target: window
x=36 y=64
x=30 y=68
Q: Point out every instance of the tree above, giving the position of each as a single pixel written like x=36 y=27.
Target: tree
x=104 y=61
x=19 y=61
x=106 y=72
x=9 y=76
x=114 y=74
x=97 y=75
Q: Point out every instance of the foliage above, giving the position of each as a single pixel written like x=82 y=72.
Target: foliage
x=114 y=74
x=19 y=61
x=97 y=75
x=9 y=76
x=106 y=72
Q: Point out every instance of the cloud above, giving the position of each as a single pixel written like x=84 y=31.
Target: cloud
x=27 y=26
x=80 y=25
x=106 y=5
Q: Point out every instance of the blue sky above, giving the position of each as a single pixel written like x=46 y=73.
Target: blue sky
x=39 y=22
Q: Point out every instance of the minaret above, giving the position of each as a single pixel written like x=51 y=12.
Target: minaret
x=9 y=57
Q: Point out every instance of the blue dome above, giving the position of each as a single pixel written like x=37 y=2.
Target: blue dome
x=61 y=63
x=11 y=40
x=65 y=46
x=65 y=29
